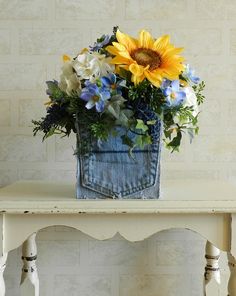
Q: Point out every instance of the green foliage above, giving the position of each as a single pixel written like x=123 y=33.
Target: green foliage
x=100 y=130
x=151 y=122
x=143 y=140
x=148 y=93
x=174 y=144
x=54 y=92
x=198 y=89
x=141 y=125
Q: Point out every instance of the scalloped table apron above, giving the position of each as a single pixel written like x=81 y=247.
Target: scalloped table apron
x=205 y=207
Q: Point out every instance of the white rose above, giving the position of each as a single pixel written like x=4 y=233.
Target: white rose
x=92 y=65
x=68 y=80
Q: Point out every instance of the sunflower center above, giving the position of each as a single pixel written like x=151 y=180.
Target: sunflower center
x=146 y=57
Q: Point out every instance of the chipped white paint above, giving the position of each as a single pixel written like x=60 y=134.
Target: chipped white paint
x=29 y=276
x=232 y=279
x=232 y=260
x=3 y=257
x=203 y=207
x=212 y=269
x=3 y=260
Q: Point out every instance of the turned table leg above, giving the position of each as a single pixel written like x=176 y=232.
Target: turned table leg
x=29 y=277
x=212 y=270
x=232 y=278
x=3 y=260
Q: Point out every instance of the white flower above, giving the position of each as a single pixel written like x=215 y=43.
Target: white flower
x=68 y=80
x=92 y=65
x=191 y=100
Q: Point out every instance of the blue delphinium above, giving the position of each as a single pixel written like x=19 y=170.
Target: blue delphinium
x=189 y=74
x=111 y=83
x=95 y=96
x=104 y=40
x=174 y=96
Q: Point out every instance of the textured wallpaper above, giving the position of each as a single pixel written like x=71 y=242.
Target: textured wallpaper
x=33 y=36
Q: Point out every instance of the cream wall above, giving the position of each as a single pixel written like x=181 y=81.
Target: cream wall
x=33 y=36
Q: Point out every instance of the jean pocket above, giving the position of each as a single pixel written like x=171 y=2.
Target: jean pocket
x=110 y=170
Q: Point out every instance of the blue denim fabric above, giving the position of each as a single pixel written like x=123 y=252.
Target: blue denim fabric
x=109 y=171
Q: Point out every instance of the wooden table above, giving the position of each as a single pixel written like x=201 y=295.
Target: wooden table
x=206 y=207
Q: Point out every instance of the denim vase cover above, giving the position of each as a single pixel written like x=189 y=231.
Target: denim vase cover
x=108 y=171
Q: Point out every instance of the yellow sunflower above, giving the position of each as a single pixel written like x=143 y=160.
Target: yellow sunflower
x=146 y=57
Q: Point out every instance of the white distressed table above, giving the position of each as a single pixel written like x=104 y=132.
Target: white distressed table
x=208 y=208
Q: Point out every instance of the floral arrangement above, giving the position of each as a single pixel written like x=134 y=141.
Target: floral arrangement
x=129 y=83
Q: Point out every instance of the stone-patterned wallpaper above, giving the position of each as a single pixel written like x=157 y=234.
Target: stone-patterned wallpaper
x=33 y=36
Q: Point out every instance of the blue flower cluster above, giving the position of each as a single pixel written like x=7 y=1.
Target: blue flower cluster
x=189 y=74
x=176 y=94
x=104 y=40
x=96 y=94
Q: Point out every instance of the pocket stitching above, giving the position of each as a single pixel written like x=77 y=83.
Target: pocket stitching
x=152 y=165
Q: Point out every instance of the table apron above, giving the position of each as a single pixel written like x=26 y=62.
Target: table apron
x=216 y=228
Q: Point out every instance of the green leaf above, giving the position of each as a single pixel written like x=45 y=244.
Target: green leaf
x=175 y=143
x=151 y=122
x=115 y=105
x=127 y=141
x=124 y=118
x=55 y=93
x=51 y=132
x=141 y=125
x=198 y=89
x=142 y=140
x=125 y=74
x=167 y=133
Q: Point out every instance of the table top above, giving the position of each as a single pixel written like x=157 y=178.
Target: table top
x=186 y=196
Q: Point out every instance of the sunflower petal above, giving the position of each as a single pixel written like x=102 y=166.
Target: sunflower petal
x=137 y=79
x=145 y=39
x=136 y=69
x=120 y=60
x=162 y=42
x=125 y=54
x=172 y=51
x=153 y=77
x=112 y=50
x=129 y=42
x=170 y=74
x=119 y=46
